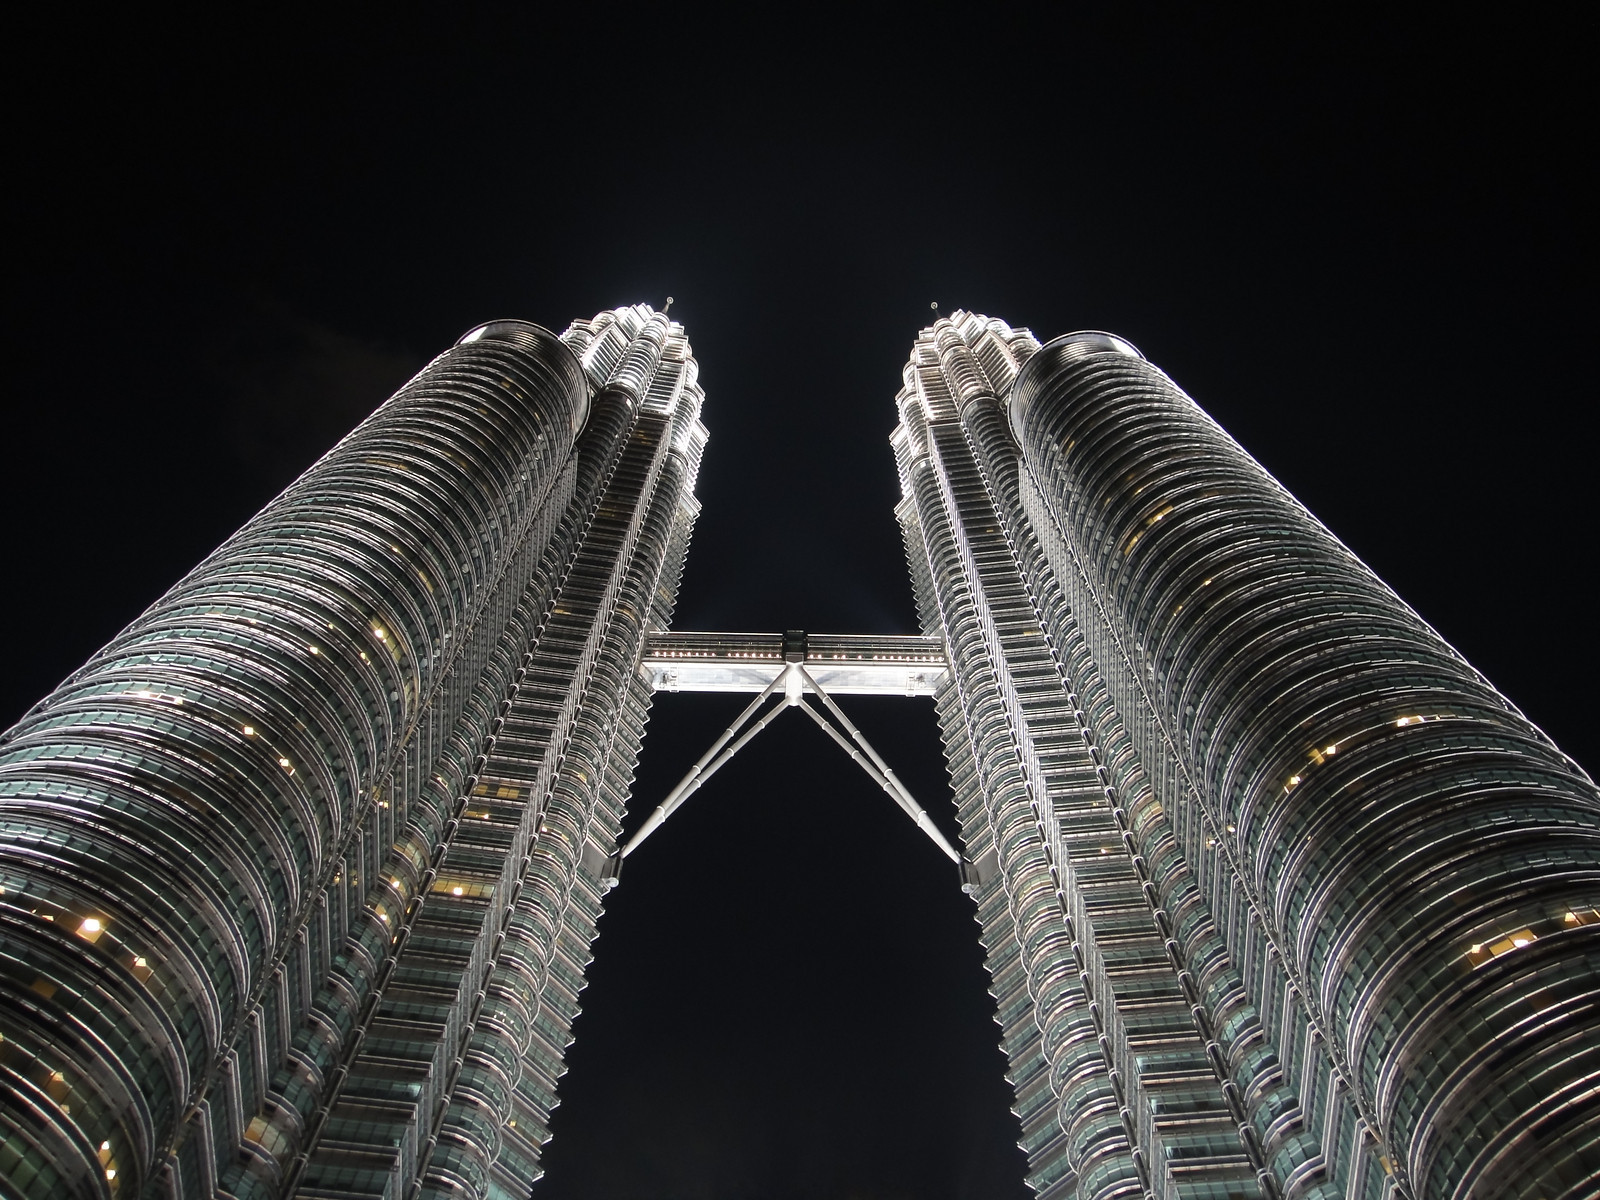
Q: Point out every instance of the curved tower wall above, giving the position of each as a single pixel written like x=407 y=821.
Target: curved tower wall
x=262 y=900
x=1325 y=899
x=1411 y=859
x=1117 y=1091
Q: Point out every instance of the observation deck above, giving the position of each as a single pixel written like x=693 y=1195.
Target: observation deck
x=844 y=664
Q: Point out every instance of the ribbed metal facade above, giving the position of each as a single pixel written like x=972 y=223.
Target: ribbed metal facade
x=301 y=871
x=1280 y=897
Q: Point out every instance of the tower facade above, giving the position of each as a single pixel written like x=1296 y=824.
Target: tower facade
x=300 y=872
x=299 y=875
x=1279 y=896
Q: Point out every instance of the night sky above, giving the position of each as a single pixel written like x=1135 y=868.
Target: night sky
x=1364 y=248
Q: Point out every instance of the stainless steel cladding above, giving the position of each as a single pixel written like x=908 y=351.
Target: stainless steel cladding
x=1320 y=904
x=274 y=859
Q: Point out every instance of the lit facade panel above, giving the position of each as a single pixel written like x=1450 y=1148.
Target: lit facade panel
x=1322 y=895
x=271 y=858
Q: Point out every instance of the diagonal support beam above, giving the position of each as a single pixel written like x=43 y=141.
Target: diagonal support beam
x=793 y=679
x=701 y=772
x=911 y=810
x=877 y=768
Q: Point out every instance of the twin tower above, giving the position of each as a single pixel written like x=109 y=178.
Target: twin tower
x=299 y=874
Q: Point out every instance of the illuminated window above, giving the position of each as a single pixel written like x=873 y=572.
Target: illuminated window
x=1484 y=951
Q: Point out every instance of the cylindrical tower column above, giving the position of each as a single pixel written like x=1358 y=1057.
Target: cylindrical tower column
x=174 y=814
x=1415 y=858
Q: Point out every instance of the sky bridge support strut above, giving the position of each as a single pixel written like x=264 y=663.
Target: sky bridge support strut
x=794 y=680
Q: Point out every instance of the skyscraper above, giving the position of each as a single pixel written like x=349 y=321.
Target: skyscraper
x=300 y=872
x=1280 y=897
x=299 y=875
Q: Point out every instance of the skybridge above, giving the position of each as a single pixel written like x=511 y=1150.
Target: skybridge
x=797 y=668
x=844 y=664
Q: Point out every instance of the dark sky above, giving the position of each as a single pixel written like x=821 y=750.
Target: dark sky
x=1363 y=247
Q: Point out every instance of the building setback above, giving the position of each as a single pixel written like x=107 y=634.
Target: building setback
x=301 y=871
x=1280 y=897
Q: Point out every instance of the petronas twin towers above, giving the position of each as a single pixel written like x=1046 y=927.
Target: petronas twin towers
x=300 y=874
